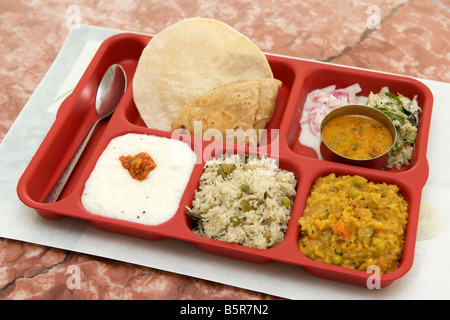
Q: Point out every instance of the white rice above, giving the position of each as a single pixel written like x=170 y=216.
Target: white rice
x=218 y=200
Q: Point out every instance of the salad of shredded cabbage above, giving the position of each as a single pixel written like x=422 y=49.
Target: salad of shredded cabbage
x=403 y=112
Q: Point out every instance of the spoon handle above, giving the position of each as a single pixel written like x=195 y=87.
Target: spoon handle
x=54 y=193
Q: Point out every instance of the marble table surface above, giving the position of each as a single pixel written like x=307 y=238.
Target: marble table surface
x=413 y=39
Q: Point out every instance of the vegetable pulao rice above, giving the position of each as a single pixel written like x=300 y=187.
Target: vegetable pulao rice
x=246 y=201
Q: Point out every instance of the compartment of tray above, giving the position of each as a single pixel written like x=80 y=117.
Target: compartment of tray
x=174 y=227
x=239 y=251
x=321 y=75
x=283 y=70
x=411 y=193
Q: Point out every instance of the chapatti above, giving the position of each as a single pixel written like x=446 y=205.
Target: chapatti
x=186 y=61
x=241 y=105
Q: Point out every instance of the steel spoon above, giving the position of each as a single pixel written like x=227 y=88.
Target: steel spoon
x=109 y=92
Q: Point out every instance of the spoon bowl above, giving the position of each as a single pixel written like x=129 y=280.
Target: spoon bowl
x=109 y=92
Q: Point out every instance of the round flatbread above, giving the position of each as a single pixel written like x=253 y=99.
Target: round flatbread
x=186 y=61
x=240 y=105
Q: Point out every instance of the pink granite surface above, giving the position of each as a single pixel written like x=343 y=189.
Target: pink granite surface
x=413 y=39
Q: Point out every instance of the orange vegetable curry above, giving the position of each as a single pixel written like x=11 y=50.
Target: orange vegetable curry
x=357 y=137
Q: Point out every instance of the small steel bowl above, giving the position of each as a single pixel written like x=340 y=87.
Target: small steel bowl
x=377 y=162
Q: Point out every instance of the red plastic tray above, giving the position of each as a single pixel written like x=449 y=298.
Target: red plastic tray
x=299 y=77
